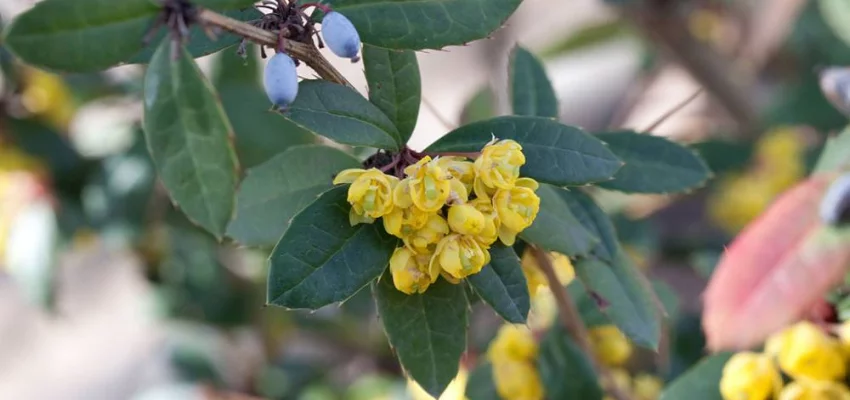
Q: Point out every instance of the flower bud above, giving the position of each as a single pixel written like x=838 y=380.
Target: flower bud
x=460 y=169
x=402 y=222
x=280 y=80
x=814 y=390
x=460 y=256
x=610 y=345
x=429 y=185
x=341 y=36
x=517 y=209
x=499 y=163
x=805 y=351
x=410 y=271
x=749 y=376
x=490 y=233
x=370 y=193
x=517 y=380
x=424 y=240
x=466 y=219
x=513 y=342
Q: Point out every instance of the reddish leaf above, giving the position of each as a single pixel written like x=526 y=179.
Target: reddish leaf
x=778 y=268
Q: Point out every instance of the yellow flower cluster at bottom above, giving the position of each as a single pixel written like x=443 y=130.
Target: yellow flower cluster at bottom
x=535 y=278
x=641 y=387
x=610 y=345
x=813 y=358
x=448 y=211
x=513 y=354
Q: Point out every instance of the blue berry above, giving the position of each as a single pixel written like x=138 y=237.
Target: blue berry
x=281 y=80
x=340 y=36
x=835 y=206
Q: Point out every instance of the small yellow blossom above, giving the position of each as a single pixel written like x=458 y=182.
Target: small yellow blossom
x=535 y=278
x=815 y=390
x=610 y=345
x=517 y=209
x=460 y=256
x=499 y=163
x=429 y=185
x=460 y=168
x=466 y=219
x=410 y=271
x=401 y=222
x=806 y=351
x=844 y=337
x=750 y=376
x=512 y=342
x=49 y=97
x=370 y=193
x=424 y=240
x=647 y=387
x=517 y=380
x=490 y=233
x=738 y=200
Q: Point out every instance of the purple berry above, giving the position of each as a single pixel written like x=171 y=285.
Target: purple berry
x=835 y=206
x=340 y=36
x=281 y=80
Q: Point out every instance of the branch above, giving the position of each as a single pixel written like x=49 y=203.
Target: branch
x=571 y=320
x=302 y=51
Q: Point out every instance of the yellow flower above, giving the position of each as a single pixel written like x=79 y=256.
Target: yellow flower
x=499 y=163
x=815 y=390
x=621 y=380
x=844 y=337
x=370 y=193
x=424 y=240
x=460 y=168
x=410 y=271
x=517 y=209
x=429 y=185
x=610 y=345
x=401 y=222
x=517 y=380
x=805 y=351
x=780 y=145
x=750 y=376
x=647 y=387
x=738 y=200
x=466 y=219
x=460 y=256
x=47 y=96
x=536 y=279
x=512 y=342
x=490 y=233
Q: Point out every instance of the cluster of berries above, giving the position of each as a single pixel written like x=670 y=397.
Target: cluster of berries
x=815 y=360
x=280 y=78
x=448 y=211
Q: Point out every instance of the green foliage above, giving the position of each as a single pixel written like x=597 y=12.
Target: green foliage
x=188 y=136
x=700 y=382
x=555 y=153
x=322 y=259
x=834 y=155
x=565 y=370
x=531 y=91
x=556 y=228
x=836 y=14
x=594 y=220
x=480 y=385
x=427 y=331
x=394 y=86
x=502 y=285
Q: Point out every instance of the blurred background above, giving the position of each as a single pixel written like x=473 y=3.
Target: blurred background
x=107 y=292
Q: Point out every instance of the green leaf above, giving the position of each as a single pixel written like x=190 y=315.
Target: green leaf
x=836 y=153
x=565 y=370
x=723 y=155
x=394 y=86
x=531 y=91
x=424 y=24
x=80 y=35
x=502 y=285
x=480 y=107
x=594 y=219
x=188 y=136
x=631 y=304
x=322 y=259
x=273 y=192
x=343 y=115
x=231 y=68
x=427 y=331
x=669 y=298
x=555 y=153
x=836 y=14
x=653 y=164
x=587 y=307
x=701 y=382
x=480 y=385
x=200 y=44
x=224 y=4
x=556 y=228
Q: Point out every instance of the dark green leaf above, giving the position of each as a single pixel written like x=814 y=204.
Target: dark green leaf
x=556 y=228
x=343 y=115
x=631 y=304
x=427 y=331
x=836 y=153
x=188 y=136
x=394 y=85
x=480 y=385
x=587 y=307
x=531 y=91
x=723 y=155
x=80 y=35
x=425 y=24
x=555 y=153
x=199 y=43
x=273 y=192
x=502 y=285
x=668 y=298
x=231 y=68
x=653 y=164
x=565 y=370
x=585 y=209
x=322 y=259
x=702 y=382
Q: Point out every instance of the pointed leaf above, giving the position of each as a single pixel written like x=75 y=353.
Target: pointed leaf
x=556 y=228
x=343 y=115
x=653 y=164
x=565 y=370
x=594 y=219
x=273 y=192
x=631 y=304
x=701 y=382
x=555 y=153
x=394 y=85
x=531 y=91
x=427 y=331
x=502 y=285
x=322 y=259
x=188 y=136
x=424 y=24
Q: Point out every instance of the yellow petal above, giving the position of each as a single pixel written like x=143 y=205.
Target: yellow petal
x=348 y=175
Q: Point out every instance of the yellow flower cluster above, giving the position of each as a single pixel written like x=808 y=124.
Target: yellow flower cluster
x=610 y=345
x=640 y=387
x=448 y=211
x=813 y=358
x=780 y=163
x=47 y=96
x=535 y=278
x=513 y=354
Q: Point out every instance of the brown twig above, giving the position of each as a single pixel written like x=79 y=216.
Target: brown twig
x=302 y=51
x=571 y=320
